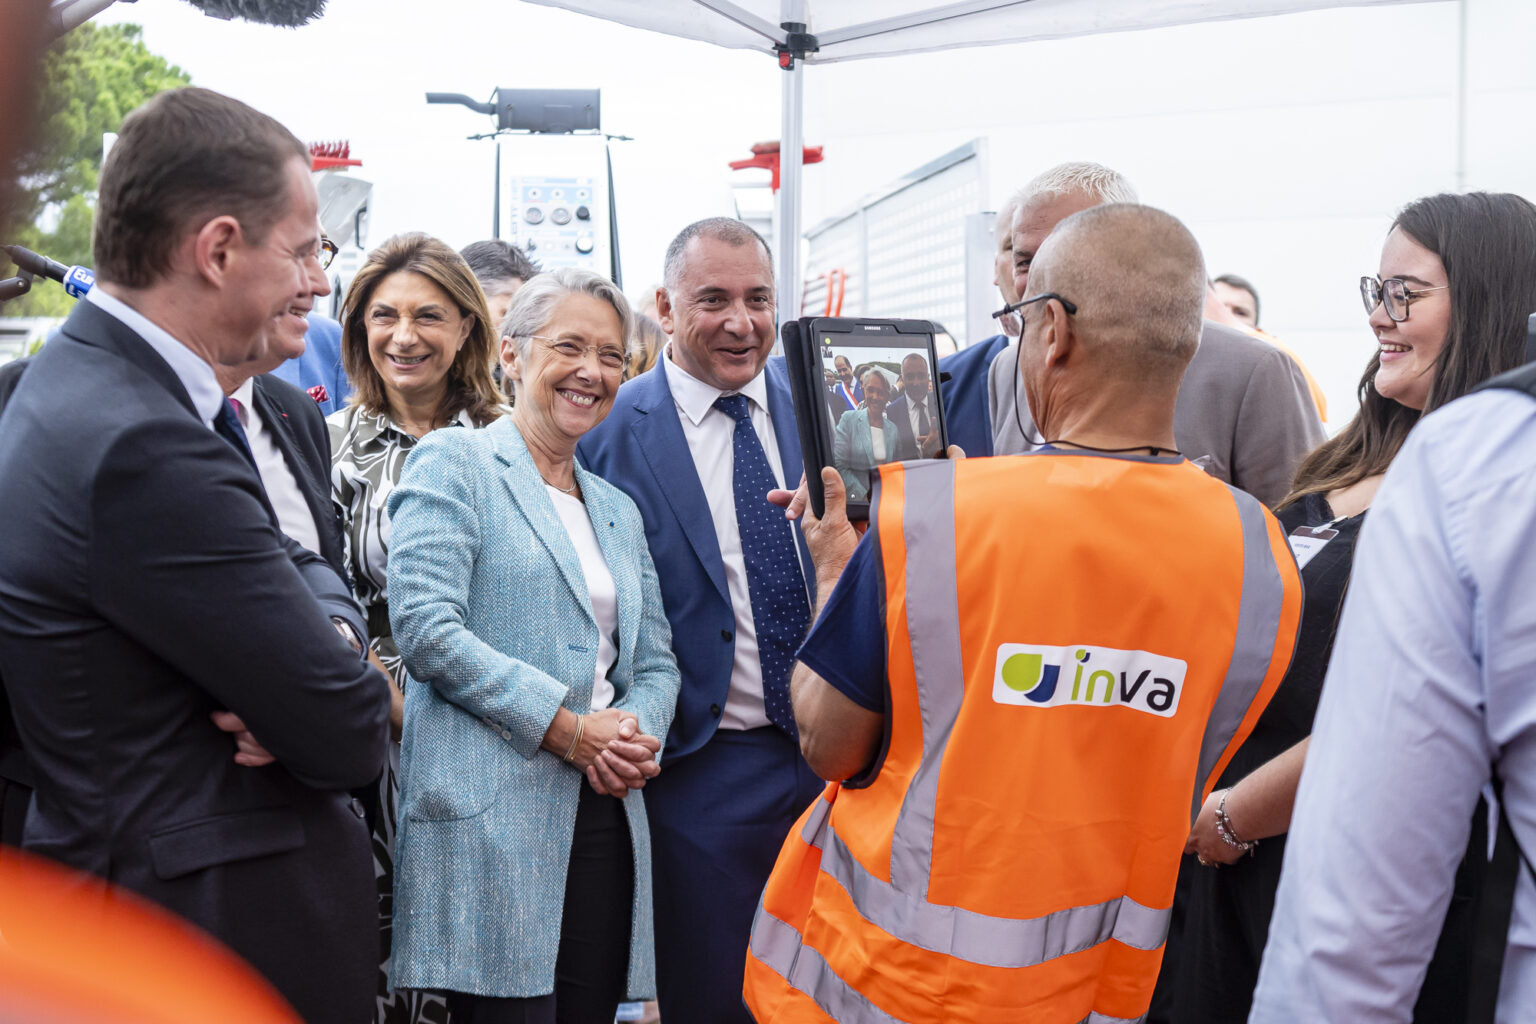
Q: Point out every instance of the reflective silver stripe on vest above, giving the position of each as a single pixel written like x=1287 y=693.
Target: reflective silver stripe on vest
x=1099 y=1018
x=1258 y=621
x=778 y=946
x=980 y=938
x=933 y=626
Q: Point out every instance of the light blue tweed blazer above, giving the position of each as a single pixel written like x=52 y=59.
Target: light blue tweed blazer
x=491 y=613
x=853 y=449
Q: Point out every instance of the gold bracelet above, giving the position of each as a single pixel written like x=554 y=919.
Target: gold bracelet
x=581 y=726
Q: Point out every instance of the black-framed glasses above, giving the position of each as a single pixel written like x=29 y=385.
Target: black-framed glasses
x=611 y=358
x=1014 y=307
x=1393 y=294
x=326 y=253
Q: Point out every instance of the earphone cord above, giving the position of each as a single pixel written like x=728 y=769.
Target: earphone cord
x=1018 y=418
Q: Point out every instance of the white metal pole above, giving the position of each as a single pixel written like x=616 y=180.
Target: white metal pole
x=791 y=156
x=1461 y=96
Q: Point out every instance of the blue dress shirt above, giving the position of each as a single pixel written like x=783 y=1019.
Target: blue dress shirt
x=1432 y=684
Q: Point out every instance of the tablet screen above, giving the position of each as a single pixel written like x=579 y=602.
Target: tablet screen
x=881 y=402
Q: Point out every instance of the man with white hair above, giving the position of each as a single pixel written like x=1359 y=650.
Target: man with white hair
x=1244 y=411
x=963 y=375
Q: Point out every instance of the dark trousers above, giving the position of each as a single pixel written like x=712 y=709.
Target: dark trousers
x=592 y=967
x=718 y=818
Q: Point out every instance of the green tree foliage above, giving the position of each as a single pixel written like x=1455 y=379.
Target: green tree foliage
x=92 y=78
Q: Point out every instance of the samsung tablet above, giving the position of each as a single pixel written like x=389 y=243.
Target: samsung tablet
x=866 y=394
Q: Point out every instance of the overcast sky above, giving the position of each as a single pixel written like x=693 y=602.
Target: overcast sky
x=1285 y=142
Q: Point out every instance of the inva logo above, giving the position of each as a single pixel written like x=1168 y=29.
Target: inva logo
x=1029 y=675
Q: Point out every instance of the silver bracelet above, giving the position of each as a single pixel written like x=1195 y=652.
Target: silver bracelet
x=1225 y=830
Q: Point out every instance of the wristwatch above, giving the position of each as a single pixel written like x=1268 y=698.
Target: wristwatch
x=347 y=633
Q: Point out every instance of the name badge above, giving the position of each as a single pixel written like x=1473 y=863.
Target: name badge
x=1307 y=541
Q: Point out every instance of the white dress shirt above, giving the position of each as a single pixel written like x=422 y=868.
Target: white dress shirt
x=293 y=513
x=600 y=588
x=1432 y=680
x=195 y=374
x=710 y=432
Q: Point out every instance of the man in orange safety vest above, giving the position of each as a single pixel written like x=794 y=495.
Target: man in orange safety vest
x=1025 y=677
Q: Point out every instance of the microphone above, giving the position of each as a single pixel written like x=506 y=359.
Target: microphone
x=76 y=280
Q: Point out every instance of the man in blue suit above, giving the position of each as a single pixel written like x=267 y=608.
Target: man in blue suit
x=697 y=442
x=963 y=375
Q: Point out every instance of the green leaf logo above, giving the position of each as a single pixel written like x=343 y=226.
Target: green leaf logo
x=1021 y=672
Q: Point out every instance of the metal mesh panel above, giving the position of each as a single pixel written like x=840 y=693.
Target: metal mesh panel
x=904 y=249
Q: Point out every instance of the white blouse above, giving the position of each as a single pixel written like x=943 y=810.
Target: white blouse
x=600 y=587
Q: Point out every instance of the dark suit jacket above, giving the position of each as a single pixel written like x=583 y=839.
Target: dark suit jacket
x=899 y=413
x=14 y=769
x=1244 y=408
x=967 y=417
x=641 y=449
x=10 y=376
x=147 y=585
x=299 y=430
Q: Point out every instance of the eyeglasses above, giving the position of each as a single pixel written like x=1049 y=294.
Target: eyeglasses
x=327 y=252
x=611 y=358
x=1014 y=307
x=1393 y=294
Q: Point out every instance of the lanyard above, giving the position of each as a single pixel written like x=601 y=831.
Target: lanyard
x=1307 y=541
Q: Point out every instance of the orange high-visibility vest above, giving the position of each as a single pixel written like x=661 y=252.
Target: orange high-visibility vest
x=1077 y=645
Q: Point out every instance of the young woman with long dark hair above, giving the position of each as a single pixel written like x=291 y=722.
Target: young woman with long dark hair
x=1457 y=282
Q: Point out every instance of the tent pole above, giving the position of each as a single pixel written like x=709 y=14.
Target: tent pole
x=791 y=165
x=1461 y=96
x=791 y=157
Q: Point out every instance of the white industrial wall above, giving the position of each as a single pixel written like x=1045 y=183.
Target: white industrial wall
x=1285 y=143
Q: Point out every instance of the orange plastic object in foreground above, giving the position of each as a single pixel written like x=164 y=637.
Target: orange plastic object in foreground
x=76 y=951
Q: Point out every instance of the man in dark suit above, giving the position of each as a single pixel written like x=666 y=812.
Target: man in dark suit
x=697 y=442
x=149 y=590
x=1245 y=413
x=916 y=419
x=292 y=449
x=15 y=772
x=963 y=375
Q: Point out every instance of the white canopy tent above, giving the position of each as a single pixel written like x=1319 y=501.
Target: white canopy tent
x=839 y=30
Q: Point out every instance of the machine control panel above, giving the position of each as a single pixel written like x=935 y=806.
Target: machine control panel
x=552 y=220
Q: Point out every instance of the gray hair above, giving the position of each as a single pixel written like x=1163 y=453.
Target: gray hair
x=1077 y=177
x=535 y=302
x=876 y=371
x=723 y=229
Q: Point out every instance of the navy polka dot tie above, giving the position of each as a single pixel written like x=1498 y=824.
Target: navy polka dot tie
x=780 y=609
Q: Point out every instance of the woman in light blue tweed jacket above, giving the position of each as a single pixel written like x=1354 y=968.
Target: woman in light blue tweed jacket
x=859 y=445
x=526 y=609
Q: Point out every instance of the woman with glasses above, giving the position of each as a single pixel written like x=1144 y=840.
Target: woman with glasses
x=864 y=438
x=418 y=349
x=528 y=613
x=1457 y=282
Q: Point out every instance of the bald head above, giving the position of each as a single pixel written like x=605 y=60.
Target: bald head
x=1138 y=279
